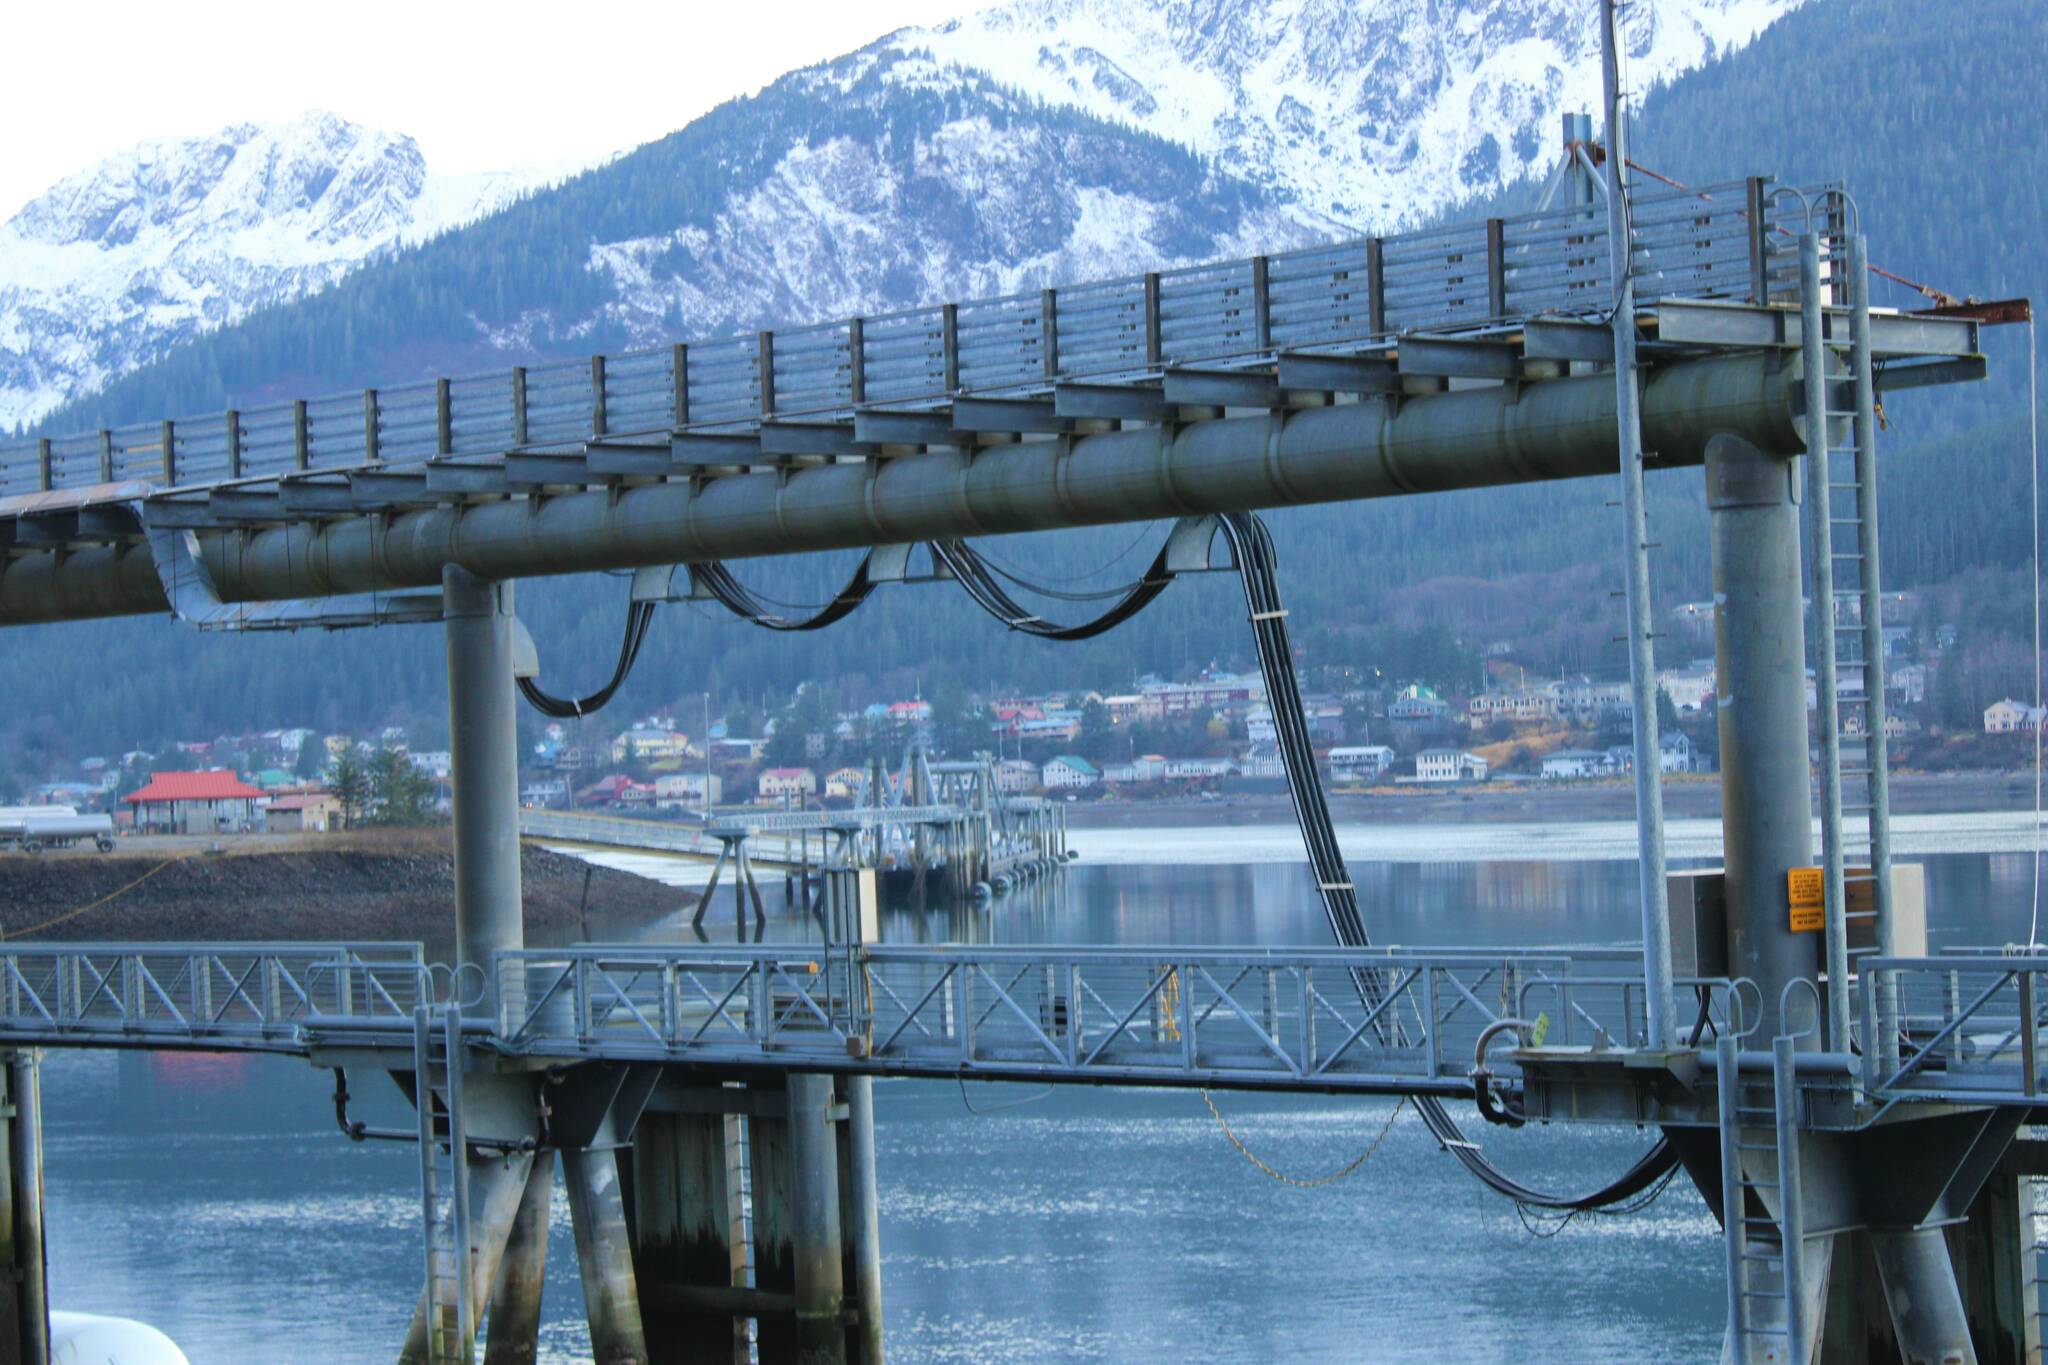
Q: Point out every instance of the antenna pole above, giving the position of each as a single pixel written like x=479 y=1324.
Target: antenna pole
x=1642 y=663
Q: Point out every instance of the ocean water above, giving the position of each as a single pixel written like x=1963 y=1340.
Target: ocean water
x=214 y=1197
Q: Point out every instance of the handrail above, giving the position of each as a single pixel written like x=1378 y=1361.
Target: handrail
x=1228 y=313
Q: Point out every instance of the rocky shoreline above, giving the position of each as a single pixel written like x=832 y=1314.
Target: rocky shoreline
x=383 y=884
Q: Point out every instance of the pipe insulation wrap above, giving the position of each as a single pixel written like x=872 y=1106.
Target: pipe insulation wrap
x=1465 y=438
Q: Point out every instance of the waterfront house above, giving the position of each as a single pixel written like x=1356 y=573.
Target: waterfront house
x=1069 y=772
x=1360 y=762
x=1449 y=765
x=2008 y=716
x=780 y=784
x=302 y=813
x=212 y=801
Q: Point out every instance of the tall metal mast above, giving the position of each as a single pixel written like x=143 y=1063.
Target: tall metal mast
x=1642 y=664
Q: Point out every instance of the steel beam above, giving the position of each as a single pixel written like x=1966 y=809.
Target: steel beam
x=1554 y=429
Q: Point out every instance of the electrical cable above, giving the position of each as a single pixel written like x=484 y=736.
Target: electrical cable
x=639 y=616
x=1252 y=551
x=958 y=558
x=717 y=580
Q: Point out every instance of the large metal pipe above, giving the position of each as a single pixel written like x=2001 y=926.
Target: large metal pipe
x=1467 y=438
x=1760 y=659
x=484 y=767
x=26 y=1293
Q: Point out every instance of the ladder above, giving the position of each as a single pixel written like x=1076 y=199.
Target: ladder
x=444 y=1184
x=1849 y=699
x=1767 y=1311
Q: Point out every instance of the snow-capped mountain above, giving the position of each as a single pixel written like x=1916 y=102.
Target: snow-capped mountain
x=114 y=266
x=1373 y=112
x=1037 y=142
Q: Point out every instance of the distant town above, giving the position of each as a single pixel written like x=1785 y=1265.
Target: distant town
x=1207 y=736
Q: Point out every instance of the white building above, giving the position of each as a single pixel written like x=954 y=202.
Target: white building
x=685 y=791
x=2009 y=716
x=1571 y=763
x=1016 y=775
x=1198 y=769
x=1449 y=765
x=1144 y=768
x=788 y=783
x=1069 y=772
x=1360 y=762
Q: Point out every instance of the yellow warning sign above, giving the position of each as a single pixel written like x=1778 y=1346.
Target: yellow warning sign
x=1806 y=891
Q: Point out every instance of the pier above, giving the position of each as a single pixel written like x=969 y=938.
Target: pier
x=1844 y=1100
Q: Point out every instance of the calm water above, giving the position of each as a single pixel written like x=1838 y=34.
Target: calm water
x=214 y=1198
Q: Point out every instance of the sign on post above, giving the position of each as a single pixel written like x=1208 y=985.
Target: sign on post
x=1806 y=891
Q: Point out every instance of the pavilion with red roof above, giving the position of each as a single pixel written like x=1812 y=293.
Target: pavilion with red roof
x=213 y=801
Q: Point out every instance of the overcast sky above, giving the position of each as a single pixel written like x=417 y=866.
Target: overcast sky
x=482 y=86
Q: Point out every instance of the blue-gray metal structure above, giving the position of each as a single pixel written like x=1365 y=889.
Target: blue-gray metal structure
x=1464 y=278
x=1471 y=355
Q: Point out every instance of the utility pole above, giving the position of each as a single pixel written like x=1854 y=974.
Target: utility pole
x=1642 y=663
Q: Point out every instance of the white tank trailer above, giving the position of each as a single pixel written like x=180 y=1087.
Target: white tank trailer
x=35 y=828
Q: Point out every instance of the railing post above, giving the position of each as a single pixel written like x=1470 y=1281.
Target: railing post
x=1305 y=1024
x=518 y=405
x=949 y=347
x=1496 y=269
x=170 y=446
x=1154 y=351
x=234 y=437
x=106 y=455
x=764 y=363
x=1431 y=1052
x=1375 y=286
x=1049 y=331
x=598 y=425
x=43 y=464
x=856 y=361
x=1262 y=307
x=679 y=382
x=444 y=423
x=2030 y=1041
x=1759 y=242
x=372 y=439
x=302 y=452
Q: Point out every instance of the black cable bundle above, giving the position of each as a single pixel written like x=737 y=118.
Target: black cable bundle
x=959 y=559
x=639 y=616
x=738 y=599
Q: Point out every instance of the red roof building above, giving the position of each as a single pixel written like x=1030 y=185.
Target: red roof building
x=213 y=801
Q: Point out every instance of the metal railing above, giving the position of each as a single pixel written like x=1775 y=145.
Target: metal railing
x=1721 y=241
x=1964 y=1028
x=250 y=995
x=1367 y=1020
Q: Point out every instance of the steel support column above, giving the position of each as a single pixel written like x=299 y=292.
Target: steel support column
x=1760 y=659
x=24 y=1290
x=484 y=753
x=1920 y=1291
x=497 y=1189
x=604 y=1254
x=859 y=1211
x=514 y=1314
x=814 y=1221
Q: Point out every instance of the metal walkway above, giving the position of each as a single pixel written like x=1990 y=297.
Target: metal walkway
x=1506 y=307
x=1275 y=1019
